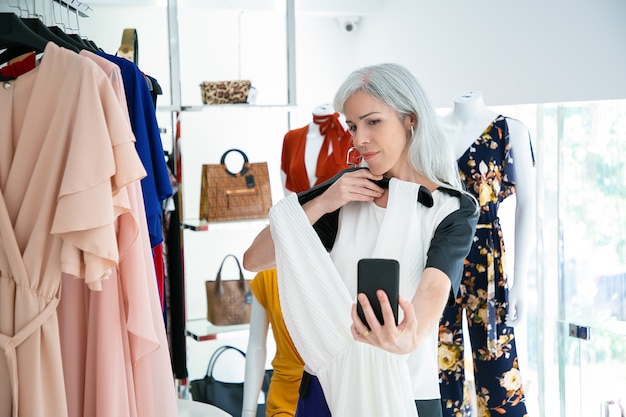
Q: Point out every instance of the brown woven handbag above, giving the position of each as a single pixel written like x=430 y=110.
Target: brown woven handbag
x=228 y=302
x=228 y=196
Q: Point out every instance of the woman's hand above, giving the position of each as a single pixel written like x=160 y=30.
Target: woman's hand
x=356 y=185
x=399 y=339
x=352 y=186
x=421 y=316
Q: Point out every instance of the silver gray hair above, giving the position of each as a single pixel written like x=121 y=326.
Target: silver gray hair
x=430 y=152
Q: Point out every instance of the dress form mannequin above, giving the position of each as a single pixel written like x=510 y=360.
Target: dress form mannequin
x=463 y=125
x=313 y=144
x=282 y=396
x=255 y=358
x=478 y=134
x=467 y=120
x=261 y=318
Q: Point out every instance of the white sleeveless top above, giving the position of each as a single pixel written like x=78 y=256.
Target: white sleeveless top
x=317 y=290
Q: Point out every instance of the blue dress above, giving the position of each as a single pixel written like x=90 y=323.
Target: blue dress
x=156 y=186
x=487 y=171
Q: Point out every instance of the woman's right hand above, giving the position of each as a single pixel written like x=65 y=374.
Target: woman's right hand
x=355 y=185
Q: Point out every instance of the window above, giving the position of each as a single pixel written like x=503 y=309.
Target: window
x=579 y=274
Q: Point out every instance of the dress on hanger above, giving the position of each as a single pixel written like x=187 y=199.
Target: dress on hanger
x=156 y=185
x=113 y=382
x=487 y=171
x=58 y=174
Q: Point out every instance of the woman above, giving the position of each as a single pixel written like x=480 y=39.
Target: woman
x=415 y=213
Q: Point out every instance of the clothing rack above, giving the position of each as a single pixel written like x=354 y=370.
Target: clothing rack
x=79 y=7
x=141 y=363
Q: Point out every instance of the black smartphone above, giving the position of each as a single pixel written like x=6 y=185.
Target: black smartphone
x=374 y=274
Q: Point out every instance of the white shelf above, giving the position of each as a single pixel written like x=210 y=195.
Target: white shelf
x=203 y=329
x=228 y=107
x=203 y=225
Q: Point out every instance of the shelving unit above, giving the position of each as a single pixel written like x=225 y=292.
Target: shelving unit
x=200 y=329
x=174 y=48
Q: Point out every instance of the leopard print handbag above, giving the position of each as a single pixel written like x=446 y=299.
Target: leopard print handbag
x=225 y=92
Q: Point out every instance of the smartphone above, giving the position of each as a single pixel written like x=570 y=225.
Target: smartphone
x=374 y=274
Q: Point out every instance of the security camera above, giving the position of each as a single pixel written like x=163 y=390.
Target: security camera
x=349 y=24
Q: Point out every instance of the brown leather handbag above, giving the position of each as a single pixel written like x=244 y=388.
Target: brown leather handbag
x=228 y=302
x=229 y=196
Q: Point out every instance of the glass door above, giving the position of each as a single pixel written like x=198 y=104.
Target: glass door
x=579 y=329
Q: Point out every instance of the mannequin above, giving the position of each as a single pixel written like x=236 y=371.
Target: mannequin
x=303 y=162
x=471 y=127
x=463 y=125
x=297 y=154
x=283 y=395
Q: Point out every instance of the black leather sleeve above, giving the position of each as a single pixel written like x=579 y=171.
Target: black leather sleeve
x=326 y=227
x=452 y=241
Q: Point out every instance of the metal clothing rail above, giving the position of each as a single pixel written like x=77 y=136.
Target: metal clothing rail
x=79 y=7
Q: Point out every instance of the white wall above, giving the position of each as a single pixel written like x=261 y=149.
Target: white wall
x=514 y=52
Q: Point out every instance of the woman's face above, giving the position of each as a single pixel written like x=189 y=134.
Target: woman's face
x=379 y=133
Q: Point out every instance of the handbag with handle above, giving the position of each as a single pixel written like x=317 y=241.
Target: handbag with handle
x=230 y=196
x=228 y=301
x=227 y=396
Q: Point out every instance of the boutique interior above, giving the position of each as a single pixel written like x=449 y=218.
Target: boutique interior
x=557 y=67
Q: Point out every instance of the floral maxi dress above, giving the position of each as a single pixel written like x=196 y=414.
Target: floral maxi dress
x=487 y=171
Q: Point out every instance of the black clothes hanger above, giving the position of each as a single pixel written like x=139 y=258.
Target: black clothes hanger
x=17 y=38
x=80 y=40
x=42 y=30
x=93 y=45
x=74 y=39
x=423 y=196
x=38 y=27
x=13 y=32
x=61 y=34
x=14 y=52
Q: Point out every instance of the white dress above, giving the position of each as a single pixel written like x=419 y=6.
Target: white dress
x=316 y=299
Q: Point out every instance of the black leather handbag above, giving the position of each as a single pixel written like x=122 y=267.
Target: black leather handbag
x=227 y=396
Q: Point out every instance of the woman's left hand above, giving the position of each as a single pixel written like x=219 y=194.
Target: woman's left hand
x=399 y=339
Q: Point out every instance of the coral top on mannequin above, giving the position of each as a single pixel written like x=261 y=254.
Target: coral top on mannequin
x=466 y=122
x=315 y=152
